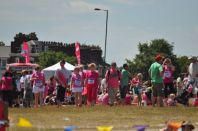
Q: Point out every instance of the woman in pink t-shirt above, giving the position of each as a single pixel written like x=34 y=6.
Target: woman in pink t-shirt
x=112 y=76
x=38 y=81
x=91 y=82
x=77 y=83
x=168 y=78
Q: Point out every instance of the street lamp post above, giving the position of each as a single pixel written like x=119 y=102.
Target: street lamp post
x=107 y=14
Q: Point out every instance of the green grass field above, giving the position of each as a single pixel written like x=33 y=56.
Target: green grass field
x=122 y=118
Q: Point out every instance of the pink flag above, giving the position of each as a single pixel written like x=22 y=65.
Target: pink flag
x=78 y=52
x=26 y=52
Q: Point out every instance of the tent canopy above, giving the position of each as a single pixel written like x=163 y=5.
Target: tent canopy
x=18 y=67
x=49 y=71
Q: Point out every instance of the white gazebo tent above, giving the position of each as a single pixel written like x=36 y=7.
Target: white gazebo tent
x=49 y=71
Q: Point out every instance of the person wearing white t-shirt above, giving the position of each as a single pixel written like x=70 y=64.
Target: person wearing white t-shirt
x=22 y=85
x=62 y=76
x=193 y=68
x=22 y=80
x=193 y=73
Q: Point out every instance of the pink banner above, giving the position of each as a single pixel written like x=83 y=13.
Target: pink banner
x=26 y=52
x=78 y=52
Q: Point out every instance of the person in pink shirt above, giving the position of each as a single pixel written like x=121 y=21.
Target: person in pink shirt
x=77 y=83
x=168 y=78
x=7 y=87
x=112 y=78
x=38 y=80
x=134 y=83
x=92 y=82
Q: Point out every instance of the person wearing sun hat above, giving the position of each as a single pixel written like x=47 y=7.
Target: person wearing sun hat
x=156 y=74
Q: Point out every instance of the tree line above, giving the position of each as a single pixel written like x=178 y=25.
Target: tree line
x=148 y=50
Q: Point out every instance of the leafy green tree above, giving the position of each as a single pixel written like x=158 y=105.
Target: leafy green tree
x=49 y=58
x=183 y=63
x=147 y=52
x=2 y=43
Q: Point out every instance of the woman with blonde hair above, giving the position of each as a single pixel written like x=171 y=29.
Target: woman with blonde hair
x=92 y=82
x=168 y=77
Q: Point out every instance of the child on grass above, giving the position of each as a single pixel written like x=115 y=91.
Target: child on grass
x=103 y=98
x=171 y=100
x=77 y=83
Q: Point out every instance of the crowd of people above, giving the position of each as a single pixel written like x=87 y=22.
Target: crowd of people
x=118 y=87
x=162 y=89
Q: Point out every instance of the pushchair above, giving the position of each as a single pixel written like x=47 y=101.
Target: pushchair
x=187 y=93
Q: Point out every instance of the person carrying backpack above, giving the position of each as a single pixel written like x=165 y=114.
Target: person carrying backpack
x=112 y=78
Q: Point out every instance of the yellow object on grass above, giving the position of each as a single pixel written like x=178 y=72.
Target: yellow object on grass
x=104 y=128
x=24 y=123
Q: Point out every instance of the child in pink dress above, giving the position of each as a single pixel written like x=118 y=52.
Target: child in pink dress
x=77 y=83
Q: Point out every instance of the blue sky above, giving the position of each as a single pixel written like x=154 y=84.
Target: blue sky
x=130 y=22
